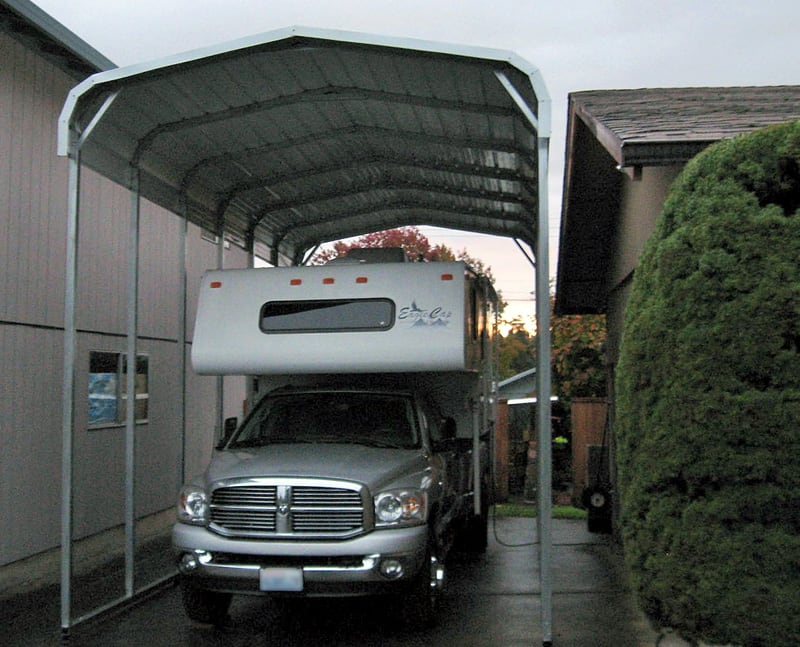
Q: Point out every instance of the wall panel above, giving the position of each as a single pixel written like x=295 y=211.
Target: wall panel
x=30 y=460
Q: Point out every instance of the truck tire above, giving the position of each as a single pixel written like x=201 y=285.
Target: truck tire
x=426 y=590
x=208 y=607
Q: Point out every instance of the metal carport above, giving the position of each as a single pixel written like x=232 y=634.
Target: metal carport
x=289 y=139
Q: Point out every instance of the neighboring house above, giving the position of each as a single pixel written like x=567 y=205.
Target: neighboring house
x=40 y=61
x=521 y=385
x=624 y=149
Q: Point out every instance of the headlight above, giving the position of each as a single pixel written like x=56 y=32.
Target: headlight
x=193 y=506
x=400 y=508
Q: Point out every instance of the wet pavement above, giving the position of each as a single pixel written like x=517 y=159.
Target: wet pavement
x=492 y=600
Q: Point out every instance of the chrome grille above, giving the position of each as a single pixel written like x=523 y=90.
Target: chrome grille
x=287 y=509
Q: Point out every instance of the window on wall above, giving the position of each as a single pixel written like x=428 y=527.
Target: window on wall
x=108 y=384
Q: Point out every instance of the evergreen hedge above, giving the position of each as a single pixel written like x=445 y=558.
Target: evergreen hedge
x=708 y=399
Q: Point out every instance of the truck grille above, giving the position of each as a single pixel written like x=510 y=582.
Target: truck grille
x=288 y=509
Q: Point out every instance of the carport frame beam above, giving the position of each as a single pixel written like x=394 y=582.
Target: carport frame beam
x=541 y=124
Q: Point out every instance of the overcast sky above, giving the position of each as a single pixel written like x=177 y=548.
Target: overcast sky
x=577 y=45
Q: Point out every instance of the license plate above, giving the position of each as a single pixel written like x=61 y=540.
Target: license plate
x=281 y=579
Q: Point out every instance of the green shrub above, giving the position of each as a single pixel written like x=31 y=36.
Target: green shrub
x=708 y=405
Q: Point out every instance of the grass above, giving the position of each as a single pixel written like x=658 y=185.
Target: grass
x=529 y=510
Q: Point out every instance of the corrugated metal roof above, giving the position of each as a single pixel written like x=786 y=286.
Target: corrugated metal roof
x=298 y=137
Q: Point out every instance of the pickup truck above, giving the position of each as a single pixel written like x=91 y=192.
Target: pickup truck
x=332 y=490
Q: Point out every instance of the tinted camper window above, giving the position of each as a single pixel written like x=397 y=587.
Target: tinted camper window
x=330 y=315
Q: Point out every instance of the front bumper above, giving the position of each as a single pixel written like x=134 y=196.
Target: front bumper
x=354 y=566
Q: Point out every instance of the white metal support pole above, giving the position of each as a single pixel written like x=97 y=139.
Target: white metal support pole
x=70 y=342
x=541 y=124
x=220 y=431
x=130 y=411
x=543 y=420
x=477 y=417
x=249 y=387
x=70 y=142
x=182 y=288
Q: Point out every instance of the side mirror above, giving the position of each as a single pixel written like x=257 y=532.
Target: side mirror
x=447 y=433
x=228 y=428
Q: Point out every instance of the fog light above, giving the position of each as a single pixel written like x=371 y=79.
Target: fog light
x=188 y=563
x=392 y=569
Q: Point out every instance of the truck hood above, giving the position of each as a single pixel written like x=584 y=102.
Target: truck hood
x=374 y=467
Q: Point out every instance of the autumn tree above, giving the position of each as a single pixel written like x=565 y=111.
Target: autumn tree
x=413 y=242
x=577 y=355
x=516 y=350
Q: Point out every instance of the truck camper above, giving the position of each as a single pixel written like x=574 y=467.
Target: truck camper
x=366 y=456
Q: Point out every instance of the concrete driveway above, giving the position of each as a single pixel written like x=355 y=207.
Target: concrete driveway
x=491 y=601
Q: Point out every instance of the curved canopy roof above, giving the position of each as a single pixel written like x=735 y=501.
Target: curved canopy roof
x=296 y=137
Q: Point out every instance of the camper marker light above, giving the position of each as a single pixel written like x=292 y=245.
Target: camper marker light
x=328 y=280
x=361 y=279
x=216 y=284
x=296 y=282
x=447 y=277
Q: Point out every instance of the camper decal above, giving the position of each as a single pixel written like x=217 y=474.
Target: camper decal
x=415 y=317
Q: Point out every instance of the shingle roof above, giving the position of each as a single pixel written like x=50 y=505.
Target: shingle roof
x=642 y=127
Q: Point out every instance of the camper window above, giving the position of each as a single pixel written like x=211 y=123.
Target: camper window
x=328 y=315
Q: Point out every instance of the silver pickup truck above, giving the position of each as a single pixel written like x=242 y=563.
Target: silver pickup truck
x=331 y=491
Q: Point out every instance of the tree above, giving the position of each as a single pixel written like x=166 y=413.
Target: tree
x=516 y=351
x=577 y=354
x=415 y=244
x=708 y=404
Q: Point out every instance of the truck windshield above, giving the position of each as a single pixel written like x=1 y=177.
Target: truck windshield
x=373 y=419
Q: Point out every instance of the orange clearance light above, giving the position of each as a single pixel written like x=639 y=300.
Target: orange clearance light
x=296 y=282
x=361 y=279
x=216 y=284
x=328 y=281
x=447 y=277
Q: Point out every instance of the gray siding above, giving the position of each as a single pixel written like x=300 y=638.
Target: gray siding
x=33 y=205
x=30 y=460
x=32 y=187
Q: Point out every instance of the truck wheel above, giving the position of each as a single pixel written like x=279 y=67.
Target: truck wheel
x=208 y=607
x=426 y=590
